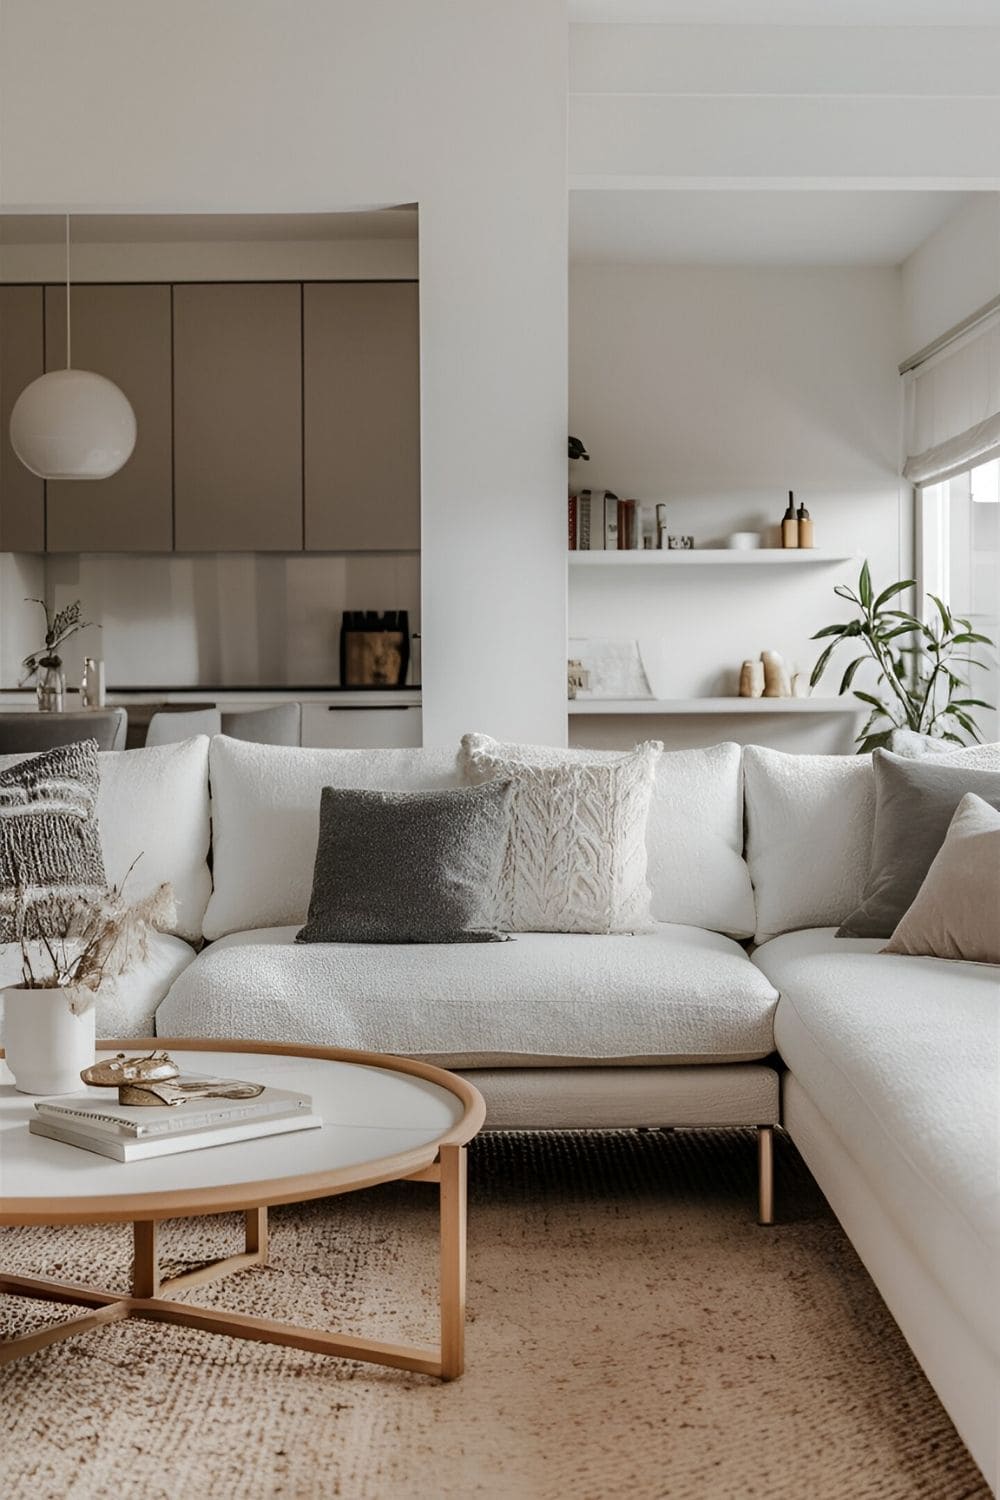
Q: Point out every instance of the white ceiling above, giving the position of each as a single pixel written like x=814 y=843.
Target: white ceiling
x=754 y=228
x=791 y=12
x=372 y=224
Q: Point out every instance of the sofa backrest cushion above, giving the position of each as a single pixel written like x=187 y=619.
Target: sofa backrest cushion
x=809 y=822
x=154 y=803
x=265 y=820
x=694 y=834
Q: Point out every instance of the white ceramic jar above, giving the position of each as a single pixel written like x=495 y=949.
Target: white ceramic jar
x=48 y=1037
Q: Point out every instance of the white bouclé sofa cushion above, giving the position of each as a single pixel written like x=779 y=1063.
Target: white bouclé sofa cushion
x=154 y=804
x=809 y=821
x=265 y=820
x=673 y=995
x=694 y=833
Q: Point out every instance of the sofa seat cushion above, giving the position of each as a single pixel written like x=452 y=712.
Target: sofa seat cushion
x=127 y=1009
x=899 y=1055
x=672 y=995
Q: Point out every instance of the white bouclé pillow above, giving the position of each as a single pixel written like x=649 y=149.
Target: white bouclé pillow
x=576 y=853
x=809 y=833
x=265 y=820
x=154 y=803
x=694 y=833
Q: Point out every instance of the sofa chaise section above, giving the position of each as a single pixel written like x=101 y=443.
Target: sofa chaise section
x=892 y=1097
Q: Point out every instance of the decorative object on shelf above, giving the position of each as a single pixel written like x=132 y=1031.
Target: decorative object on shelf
x=577 y=678
x=72 y=424
x=661 y=527
x=612 y=669
x=805 y=525
x=92 y=690
x=743 y=541
x=60 y=625
x=49 y=1017
x=777 y=682
x=374 y=648
x=752 y=679
x=680 y=543
x=790 y=524
x=577 y=454
x=800 y=685
x=919 y=665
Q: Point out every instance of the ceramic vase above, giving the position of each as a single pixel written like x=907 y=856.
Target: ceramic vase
x=45 y=1040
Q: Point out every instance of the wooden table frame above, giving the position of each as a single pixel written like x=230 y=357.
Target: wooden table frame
x=443 y=1163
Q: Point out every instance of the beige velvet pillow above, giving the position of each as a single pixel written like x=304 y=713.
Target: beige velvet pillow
x=956 y=912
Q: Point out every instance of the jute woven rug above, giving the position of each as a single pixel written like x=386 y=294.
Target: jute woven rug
x=633 y=1332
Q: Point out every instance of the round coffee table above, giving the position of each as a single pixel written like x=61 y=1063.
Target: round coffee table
x=385 y=1118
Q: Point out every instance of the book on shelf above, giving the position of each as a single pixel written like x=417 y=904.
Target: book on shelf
x=574 y=511
x=629 y=526
x=610 y=521
x=141 y=1148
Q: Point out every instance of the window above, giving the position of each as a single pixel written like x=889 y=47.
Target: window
x=959 y=526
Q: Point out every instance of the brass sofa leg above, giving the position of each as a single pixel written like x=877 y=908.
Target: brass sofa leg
x=765 y=1174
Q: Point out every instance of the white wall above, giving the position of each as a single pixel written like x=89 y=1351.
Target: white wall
x=258 y=106
x=717 y=391
x=952 y=274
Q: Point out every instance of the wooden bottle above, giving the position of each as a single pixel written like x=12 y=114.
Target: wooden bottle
x=805 y=528
x=790 y=524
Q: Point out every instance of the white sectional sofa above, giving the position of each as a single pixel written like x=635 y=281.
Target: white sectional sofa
x=882 y=1068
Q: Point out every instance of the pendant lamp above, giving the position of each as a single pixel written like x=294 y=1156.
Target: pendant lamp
x=72 y=424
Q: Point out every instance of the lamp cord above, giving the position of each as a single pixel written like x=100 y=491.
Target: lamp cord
x=68 y=336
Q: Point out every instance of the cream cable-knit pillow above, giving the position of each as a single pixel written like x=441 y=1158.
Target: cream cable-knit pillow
x=576 y=855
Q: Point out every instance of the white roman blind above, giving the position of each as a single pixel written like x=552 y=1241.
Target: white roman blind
x=952 y=406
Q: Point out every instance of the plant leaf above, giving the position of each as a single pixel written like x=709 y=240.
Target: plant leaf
x=894 y=588
x=865 y=584
x=943 y=611
x=968 y=636
x=849 y=675
x=843 y=592
x=875 y=702
x=828 y=630
x=972 y=703
x=818 y=669
x=874 y=742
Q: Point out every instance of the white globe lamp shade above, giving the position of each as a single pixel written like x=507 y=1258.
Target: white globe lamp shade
x=73 y=424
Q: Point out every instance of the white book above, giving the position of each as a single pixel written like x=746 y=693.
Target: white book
x=88 y=1111
x=121 y=1148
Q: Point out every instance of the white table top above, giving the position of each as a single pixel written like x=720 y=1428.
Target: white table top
x=375 y=1119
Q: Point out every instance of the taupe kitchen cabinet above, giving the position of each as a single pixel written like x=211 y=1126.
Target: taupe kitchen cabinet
x=361 y=367
x=22 y=360
x=122 y=332
x=238 y=417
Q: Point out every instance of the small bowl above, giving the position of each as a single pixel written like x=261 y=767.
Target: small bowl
x=743 y=541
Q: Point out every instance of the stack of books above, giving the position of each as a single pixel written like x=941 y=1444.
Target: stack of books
x=128 y=1133
x=600 y=520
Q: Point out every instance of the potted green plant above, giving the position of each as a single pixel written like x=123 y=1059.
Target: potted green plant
x=919 y=684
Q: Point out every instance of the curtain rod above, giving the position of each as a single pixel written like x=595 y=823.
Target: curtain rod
x=936 y=345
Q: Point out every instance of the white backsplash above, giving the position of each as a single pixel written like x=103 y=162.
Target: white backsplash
x=214 y=619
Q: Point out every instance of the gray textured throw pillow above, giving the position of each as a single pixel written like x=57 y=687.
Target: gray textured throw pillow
x=408 y=867
x=915 y=801
x=49 y=840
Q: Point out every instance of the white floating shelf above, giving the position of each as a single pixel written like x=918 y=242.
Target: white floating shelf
x=670 y=706
x=708 y=557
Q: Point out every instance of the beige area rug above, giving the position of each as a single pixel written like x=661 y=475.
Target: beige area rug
x=633 y=1332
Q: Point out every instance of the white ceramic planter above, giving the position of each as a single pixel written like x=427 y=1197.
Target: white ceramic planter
x=46 y=1043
